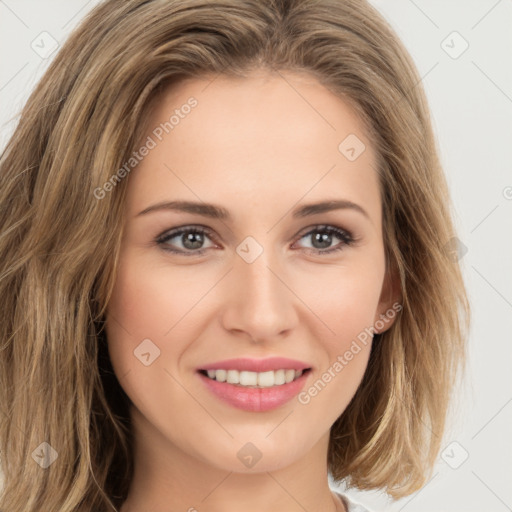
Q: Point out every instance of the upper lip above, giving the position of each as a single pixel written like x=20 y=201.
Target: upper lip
x=257 y=365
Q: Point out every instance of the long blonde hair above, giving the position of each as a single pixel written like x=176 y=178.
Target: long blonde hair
x=59 y=244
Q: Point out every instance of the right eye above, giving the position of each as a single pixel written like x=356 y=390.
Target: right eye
x=191 y=239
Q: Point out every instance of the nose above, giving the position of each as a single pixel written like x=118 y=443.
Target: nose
x=259 y=302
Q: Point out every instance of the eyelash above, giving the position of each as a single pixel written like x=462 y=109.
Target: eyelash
x=345 y=236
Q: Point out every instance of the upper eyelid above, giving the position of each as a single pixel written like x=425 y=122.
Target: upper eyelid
x=321 y=226
x=206 y=229
x=172 y=232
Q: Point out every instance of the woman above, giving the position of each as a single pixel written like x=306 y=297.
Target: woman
x=225 y=264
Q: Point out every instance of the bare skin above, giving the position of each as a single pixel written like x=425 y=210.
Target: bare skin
x=259 y=149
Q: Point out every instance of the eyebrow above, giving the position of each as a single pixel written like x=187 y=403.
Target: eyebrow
x=218 y=212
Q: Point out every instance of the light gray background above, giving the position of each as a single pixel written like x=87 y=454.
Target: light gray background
x=471 y=101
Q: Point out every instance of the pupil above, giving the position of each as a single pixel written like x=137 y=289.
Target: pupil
x=324 y=239
x=192 y=240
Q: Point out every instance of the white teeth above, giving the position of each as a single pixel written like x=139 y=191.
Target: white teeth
x=255 y=379
x=220 y=375
x=289 y=375
x=248 y=378
x=279 y=377
x=233 y=377
x=266 y=379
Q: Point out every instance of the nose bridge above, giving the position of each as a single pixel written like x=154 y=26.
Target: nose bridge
x=261 y=304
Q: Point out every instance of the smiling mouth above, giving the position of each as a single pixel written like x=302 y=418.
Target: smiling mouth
x=247 y=379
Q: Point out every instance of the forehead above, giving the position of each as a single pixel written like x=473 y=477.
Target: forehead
x=266 y=138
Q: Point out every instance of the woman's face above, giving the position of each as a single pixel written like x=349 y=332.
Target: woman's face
x=265 y=242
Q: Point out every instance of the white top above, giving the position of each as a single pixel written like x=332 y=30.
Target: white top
x=351 y=506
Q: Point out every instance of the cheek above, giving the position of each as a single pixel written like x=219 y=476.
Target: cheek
x=346 y=303
x=347 y=307
x=139 y=309
x=345 y=299
x=149 y=301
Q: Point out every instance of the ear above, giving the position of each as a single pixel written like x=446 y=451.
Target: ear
x=390 y=302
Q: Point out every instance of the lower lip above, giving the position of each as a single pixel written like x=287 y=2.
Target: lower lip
x=255 y=399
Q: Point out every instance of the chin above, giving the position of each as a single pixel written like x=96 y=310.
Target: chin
x=256 y=455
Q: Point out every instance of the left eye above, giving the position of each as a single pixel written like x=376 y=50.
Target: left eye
x=322 y=237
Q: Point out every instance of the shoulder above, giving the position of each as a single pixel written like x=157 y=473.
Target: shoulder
x=352 y=506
